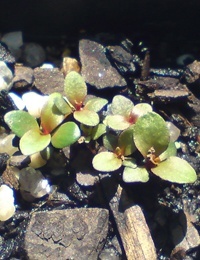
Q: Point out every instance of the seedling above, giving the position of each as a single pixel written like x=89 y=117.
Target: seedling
x=118 y=150
x=36 y=136
x=124 y=113
x=152 y=139
x=84 y=111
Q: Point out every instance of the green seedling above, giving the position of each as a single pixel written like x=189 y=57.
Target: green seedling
x=92 y=132
x=124 y=113
x=152 y=139
x=83 y=111
x=118 y=150
x=36 y=136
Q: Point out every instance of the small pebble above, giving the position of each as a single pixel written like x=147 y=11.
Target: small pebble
x=6 y=77
x=33 y=55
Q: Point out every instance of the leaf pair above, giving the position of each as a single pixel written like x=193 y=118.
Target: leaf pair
x=76 y=93
x=35 y=138
x=150 y=131
x=124 y=113
x=119 y=148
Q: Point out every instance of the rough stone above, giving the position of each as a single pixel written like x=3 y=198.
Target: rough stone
x=23 y=77
x=49 y=80
x=123 y=59
x=86 y=179
x=66 y=234
x=6 y=76
x=5 y=54
x=96 y=68
x=33 y=54
x=192 y=72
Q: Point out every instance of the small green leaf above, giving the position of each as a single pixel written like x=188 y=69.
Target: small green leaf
x=126 y=142
x=33 y=141
x=65 y=135
x=110 y=142
x=75 y=88
x=51 y=116
x=175 y=169
x=106 y=162
x=20 y=122
x=130 y=162
x=138 y=174
x=121 y=106
x=98 y=131
x=87 y=117
x=171 y=151
x=150 y=131
x=141 y=109
x=62 y=105
x=117 y=122
x=96 y=104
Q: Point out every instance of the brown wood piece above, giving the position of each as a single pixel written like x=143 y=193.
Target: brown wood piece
x=132 y=227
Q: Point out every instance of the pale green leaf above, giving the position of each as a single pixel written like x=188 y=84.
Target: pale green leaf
x=121 y=106
x=51 y=116
x=171 y=151
x=98 y=131
x=96 y=104
x=175 y=169
x=75 y=88
x=33 y=141
x=20 y=122
x=87 y=117
x=138 y=174
x=126 y=142
x=117 y=122
x=110 y=142
x=150 y=131
x=65 y=135
x=130 y=162
x=141 y=109
x=62 y=105
x=106 y=162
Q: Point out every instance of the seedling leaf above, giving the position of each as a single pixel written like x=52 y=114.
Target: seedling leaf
x=141 y=109
x=51 y=116
x=121 y=106
x=33 y=141
x=87 y=117
x=75 y=88
x=110 y=142
x=62 y=105
x=20 y=122
x=150 y=131
x=96 y=104
x=106 y=162
x=130 y=162
x=117 y=122
x=98 y=131
x=65 y=135
x=171 y=151
x=126 y=143
x=175 y=169
x=138 y=174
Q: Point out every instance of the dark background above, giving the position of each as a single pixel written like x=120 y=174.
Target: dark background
x=173 y=25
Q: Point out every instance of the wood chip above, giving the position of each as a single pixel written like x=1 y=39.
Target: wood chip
x=132 y=227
